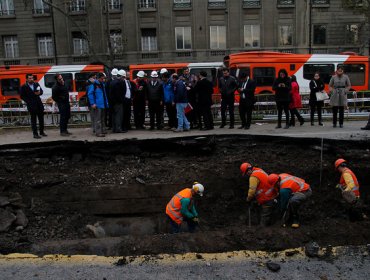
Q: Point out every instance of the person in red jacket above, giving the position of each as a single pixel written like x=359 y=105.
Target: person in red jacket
x=260 y=189
x=295 y=102
x=293 y=192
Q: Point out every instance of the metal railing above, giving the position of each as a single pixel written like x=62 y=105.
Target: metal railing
x=147 y=4
x=44 y=11
x=320 y=2
x=282 y=3
x=251 y=3
x=7 y=13
x=14 y=113
x=181 y=4
x=216 y=4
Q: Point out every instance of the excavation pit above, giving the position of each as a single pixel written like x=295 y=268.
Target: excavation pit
x=109 y=198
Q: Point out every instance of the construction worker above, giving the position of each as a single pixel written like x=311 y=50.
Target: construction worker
x=261 y=190
x=293 y=192
x=181 y=208
x=350 y=188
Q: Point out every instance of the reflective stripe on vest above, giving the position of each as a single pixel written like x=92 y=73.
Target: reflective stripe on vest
x=356 y=188
x=300 y=182
x=264 y=191
x=172 y=210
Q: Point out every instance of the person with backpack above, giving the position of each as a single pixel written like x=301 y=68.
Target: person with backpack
x=99 y=102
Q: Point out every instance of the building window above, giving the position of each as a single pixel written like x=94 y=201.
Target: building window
x=116 y=41
x=45 y=44
x=40 y=8
x=217 y=37
x=114 y=5
x=252 y=36
x=6 y=8
x=183 y=38
x=77 y=6
x=216 y=3
x=285 y=35
x=182 y=3
x=351 y=34
x=80 y=44
x=11 y=46
x=319 y=34
x=144 y=4
x=148 y=40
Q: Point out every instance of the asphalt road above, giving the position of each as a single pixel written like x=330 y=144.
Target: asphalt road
x=344 y=263
x=350 y=131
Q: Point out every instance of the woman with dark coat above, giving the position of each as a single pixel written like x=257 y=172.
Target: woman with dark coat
x=316 y=85
x=295 y=103
x=282 y=87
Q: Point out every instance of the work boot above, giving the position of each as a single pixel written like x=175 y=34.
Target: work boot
x=295 y=225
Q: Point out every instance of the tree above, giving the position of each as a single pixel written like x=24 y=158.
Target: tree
x=361 y=7
x=81 y=30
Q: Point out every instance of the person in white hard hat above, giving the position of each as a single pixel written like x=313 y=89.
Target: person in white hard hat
x=155 y=101
x=140 y=99
x=117 y=99
x=181 y=208
x=129 y=89
x=109 y=111
x=163 y=70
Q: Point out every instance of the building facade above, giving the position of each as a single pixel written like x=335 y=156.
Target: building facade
x=122 y=32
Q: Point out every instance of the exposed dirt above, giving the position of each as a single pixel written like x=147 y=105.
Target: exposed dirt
x=123 y=187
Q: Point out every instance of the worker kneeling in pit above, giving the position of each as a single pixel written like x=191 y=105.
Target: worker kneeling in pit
x=350 y=188
x=293 y=192
x=181 y=208
x=261 y=190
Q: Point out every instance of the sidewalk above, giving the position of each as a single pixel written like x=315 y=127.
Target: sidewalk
x=350 y=131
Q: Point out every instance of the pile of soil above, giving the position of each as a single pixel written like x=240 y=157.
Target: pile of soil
x=125 y=185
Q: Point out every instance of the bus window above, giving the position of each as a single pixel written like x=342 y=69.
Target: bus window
x=81 y=79
x=67 y=77
x=10 y=87
x=211 y=74
x=325 y=70
x=355 y=72
x=264 y=76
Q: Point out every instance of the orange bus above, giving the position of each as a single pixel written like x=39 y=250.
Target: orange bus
x=75 y=76
x=264 y=66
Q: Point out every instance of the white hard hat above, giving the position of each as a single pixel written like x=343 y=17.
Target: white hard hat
x=154 y=74
x=163 y=70
x=198 y=188
x=122 y=73
x=114 y=72
x=140 y=74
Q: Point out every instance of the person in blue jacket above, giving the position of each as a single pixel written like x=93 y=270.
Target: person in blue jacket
x=99 y=103
x=168 y=99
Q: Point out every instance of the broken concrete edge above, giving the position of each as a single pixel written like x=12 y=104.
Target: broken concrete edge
x=262 y=257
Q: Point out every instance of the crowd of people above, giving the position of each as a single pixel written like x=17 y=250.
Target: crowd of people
x=186 y=98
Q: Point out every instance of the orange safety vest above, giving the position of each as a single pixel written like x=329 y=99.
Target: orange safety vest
x=294 y=183
x=356 y=189
x=264 y=192
x=173 y=208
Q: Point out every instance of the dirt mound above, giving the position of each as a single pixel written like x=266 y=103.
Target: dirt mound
x=120 y=189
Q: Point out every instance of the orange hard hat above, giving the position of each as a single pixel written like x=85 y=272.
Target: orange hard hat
x=338 y=162
x=273 y=178
x=245 y=167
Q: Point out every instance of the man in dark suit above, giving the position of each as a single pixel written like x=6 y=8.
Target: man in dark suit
x=203 y=91
x=30 y=93
x=246 y=90
x=60 y=95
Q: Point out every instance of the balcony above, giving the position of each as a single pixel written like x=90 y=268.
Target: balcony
x=77 y=10
x=250 y=4
x=115 y=8
x=320 y=3
x=216 y=4
x=147 y=5
x=45 y=61
x=41 y=12
x=285 y=3
x=12 y=62
x=181 y=5
x=150 y=55
x=7 y=13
